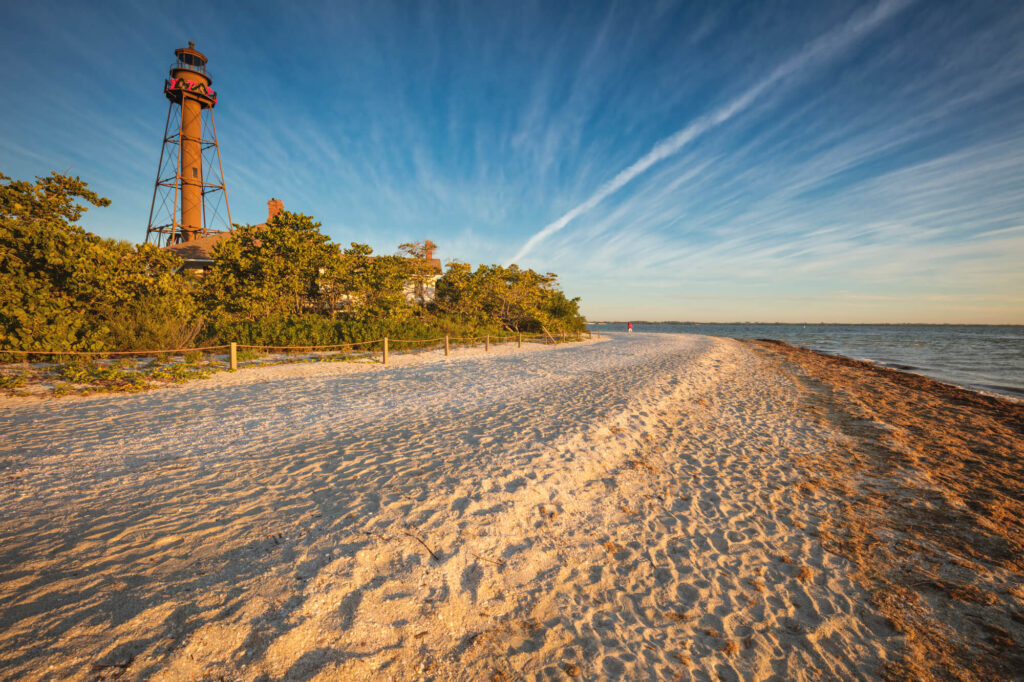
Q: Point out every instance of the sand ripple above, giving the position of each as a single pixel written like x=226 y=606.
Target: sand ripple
x=632 y=508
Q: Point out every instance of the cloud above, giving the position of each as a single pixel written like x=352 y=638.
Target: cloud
x=820 y=50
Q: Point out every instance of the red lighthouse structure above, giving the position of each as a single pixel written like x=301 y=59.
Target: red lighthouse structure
x=189 y=198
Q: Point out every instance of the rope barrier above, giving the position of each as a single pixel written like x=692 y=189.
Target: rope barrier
x=240 y=346
x=475 y=338
x=339 y=345
x=109 y=352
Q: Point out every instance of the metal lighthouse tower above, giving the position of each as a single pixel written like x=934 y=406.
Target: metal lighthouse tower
x=190 y=199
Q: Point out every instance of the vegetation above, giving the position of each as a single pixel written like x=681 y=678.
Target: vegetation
x=62 y=288
x=518 y=300
x=286 y=283
x=265 y=272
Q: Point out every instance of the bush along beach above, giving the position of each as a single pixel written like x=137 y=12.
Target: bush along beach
x=285 y=283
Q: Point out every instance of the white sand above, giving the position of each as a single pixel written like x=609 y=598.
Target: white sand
x=624 y=509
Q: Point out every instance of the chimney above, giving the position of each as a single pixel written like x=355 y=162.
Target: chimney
x=428 y=249
x=274 y=206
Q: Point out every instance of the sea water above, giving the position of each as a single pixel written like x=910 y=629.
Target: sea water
x=984 y=358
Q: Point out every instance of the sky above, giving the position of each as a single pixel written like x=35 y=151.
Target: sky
x=820 y=161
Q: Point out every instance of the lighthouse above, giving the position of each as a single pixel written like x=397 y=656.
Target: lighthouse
x=189 y=197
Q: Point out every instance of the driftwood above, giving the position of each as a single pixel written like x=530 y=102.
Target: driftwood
x=419 y=540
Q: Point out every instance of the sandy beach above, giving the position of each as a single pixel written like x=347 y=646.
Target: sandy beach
x=645 y=506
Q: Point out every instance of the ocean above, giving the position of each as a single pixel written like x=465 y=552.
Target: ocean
x=983 y=358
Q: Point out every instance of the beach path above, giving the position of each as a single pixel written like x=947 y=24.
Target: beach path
x=631 y=508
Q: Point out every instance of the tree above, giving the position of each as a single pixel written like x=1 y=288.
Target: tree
x=519 y=300
x=51 y=198
x=422 y=272
x=374 y=286
x=458 y=294
x=268 y=270
x=63 y=288
x=562 y=312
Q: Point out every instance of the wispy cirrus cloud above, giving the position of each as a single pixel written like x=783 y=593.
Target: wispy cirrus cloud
x=813 y=55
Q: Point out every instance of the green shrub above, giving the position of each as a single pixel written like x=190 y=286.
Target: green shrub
x=62 y=288
x=11 y=382
x=282 y=284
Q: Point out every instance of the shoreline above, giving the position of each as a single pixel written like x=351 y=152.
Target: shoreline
x=640 y=507
x=932 y=481
x=953 y=389
x=888 y=345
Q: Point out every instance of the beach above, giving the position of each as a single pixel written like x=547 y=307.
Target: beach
x=642 y=506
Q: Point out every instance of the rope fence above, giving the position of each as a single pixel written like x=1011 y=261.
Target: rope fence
x=385 y=344
x=112 y=352
x=307 y=346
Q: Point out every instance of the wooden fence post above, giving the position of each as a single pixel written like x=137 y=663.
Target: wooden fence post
x=563 y=337
x=487 y=342
x=519 y=340
x=234 y=355
x=385 y=350
x=446 y=351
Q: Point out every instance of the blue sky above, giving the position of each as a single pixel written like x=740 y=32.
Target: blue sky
x=771 y=161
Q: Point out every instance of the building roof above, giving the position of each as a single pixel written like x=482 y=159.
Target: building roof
x=198 y=250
